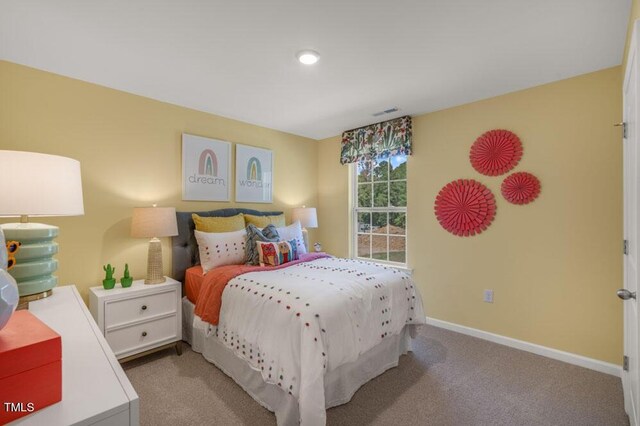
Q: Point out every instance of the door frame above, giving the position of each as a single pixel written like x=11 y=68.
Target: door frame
x=631 y=405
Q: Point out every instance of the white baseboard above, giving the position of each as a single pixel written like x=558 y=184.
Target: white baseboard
x=579 y=360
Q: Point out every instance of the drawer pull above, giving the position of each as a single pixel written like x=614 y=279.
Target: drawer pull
x=144 y=307
x=144 y=334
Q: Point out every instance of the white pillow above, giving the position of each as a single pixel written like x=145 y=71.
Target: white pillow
x=221 y=248
x=293 y=232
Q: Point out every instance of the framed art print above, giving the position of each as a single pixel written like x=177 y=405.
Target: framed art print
x=206 y=169
x=254 y=174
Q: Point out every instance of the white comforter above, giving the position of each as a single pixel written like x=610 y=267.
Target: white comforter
x=295 y=323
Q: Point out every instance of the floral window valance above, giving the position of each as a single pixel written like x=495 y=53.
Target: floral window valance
x=384 y=139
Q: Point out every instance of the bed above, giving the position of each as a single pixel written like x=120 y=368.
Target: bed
x=300 y=338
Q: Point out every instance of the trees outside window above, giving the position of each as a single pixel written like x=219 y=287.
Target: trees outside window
x=380 y=213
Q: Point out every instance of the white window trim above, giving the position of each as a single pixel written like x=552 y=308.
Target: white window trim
x=353 y=241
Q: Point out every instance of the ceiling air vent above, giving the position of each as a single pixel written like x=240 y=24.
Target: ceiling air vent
x=386 y=111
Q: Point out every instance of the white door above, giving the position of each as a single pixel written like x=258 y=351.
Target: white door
x=631 y=164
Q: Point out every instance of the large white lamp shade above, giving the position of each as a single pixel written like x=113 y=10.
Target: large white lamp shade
x=35 y=184
x=308 y=218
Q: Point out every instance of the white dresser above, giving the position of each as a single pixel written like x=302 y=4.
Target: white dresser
x=140 y=318
x=95 y=389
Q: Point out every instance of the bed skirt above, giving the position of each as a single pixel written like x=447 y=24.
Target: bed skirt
x=339 y=384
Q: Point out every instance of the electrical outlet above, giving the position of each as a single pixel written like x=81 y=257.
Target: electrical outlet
x=488 y=296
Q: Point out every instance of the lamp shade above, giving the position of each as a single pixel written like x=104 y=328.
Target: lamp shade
x=35 y=184
x=150 y=222
x=307 y=216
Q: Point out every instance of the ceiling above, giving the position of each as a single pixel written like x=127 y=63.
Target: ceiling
x=237 y=58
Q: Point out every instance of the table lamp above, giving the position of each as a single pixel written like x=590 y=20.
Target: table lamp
x=35 y=184
x=154 y=222
x=308 y=219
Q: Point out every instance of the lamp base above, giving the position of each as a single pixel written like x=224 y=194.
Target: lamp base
x=305 y=238
x=23 y=302
x=35 y=265
x=154 y=263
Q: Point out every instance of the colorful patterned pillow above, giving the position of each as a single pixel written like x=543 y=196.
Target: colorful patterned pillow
x=274 y=254
x=262 y=221
x=288 y=251
x=221 y=248
x=268 y=234
x=293 y=231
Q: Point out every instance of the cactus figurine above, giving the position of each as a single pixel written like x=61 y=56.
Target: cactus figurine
x=127 y=279
x=109 y=282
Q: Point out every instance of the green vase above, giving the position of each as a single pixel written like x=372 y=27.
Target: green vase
x=126 y=282
x=109 y=284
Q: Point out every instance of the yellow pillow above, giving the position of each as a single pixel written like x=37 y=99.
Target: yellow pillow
x=218 y=224
x=262 y=221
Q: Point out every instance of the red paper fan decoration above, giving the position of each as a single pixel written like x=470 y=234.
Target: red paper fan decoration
x=496 y=152
x=520 y=188
x=465 y=207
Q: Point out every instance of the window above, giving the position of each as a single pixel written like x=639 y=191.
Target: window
x=380 y=213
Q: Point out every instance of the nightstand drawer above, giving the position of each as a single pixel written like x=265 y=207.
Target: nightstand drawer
x=138 y=336
x=125 y=311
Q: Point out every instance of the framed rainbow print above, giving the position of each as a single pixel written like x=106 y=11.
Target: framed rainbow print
x=254 y=174
x=206 y=169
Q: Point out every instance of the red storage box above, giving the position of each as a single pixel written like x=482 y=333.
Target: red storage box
x=30 y=366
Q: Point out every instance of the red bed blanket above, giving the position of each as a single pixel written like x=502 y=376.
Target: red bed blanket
x=209 y=299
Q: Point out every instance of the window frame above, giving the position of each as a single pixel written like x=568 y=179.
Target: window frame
x=354 y=210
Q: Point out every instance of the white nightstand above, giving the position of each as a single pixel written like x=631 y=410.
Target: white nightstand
x=139 y=319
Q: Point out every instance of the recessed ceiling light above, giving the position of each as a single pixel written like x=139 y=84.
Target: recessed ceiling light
x=308 y=57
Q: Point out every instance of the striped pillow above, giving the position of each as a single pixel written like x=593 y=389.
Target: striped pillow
x=254 y=234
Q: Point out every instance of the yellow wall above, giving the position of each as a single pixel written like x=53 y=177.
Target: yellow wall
x=554 y=264
x=129 y=148
x=333 y=199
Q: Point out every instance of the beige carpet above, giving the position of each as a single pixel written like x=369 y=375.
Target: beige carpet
x=450 y=379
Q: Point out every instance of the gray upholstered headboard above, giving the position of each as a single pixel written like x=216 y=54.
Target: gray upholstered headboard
x=184 y=248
